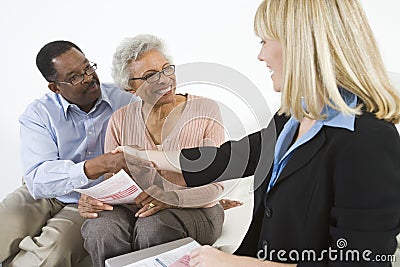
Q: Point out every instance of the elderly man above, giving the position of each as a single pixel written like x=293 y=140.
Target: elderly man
x=62 y=138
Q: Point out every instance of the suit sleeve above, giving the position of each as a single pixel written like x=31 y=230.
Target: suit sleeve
x=366 y=208
x=252 y=154
x=214 y=136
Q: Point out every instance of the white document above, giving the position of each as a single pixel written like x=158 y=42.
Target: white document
x=178 y=257
x=118 y=189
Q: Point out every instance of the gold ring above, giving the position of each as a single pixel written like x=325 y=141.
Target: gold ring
x=151 y=205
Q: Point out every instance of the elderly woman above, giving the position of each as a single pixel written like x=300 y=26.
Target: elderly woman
x=162 y=120
x=331 y=197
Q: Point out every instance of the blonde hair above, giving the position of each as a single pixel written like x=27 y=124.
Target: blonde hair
x=327 y=44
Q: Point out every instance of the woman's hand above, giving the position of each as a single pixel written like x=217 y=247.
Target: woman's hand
x=161 y=160
x=149 y=205
x=207 y=256
x=131 y=150
x=88 y=207
x=228 y=203
x=210 y=257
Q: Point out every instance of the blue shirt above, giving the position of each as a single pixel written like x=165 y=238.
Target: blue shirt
x=57 y=138
x=283 y=149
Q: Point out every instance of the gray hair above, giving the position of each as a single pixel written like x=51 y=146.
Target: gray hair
x=130 y=49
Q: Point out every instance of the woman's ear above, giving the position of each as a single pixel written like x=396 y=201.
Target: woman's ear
x=53 y=87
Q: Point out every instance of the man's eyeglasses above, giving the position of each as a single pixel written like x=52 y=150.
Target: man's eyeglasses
x=78 y=78
x=155 y=76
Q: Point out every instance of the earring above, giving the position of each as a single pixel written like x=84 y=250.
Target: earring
x=130 y=91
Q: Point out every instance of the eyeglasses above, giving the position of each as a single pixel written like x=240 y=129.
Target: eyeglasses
x=155 y=76
x=78 y=78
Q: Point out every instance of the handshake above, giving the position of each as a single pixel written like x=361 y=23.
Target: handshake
x=145 y=188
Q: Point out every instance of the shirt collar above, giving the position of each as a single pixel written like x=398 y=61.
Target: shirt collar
x=335 y=118
x=106 y=98
x=339 y=119
x=66 y=105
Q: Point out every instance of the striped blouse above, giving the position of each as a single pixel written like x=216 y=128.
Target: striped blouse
x=199 y=125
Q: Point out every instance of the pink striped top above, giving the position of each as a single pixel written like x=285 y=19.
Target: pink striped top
x=200 y=124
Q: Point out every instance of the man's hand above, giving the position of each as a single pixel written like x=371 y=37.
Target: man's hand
x=107 y=163
x=129 y=149
x=89 y=207
x=160 y=160
x=113 y=162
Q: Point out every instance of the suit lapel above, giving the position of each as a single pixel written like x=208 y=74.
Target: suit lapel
x=302 y=155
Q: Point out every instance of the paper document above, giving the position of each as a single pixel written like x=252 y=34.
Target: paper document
x=178 y=257
x=118 y=189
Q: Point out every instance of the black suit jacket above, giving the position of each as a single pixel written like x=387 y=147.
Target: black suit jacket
x=339 y=191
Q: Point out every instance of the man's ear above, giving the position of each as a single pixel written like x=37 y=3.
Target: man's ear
x=53 y=87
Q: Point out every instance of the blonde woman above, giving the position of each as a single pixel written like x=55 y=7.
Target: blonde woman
x=333 y=190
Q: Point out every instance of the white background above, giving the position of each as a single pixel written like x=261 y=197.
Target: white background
x=219 y=31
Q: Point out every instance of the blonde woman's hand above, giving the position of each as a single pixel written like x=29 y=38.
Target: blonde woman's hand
x=207 y=256
x=131 y=150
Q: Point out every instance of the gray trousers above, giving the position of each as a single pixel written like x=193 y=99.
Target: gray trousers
x=43 y=232
x=118 y=232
